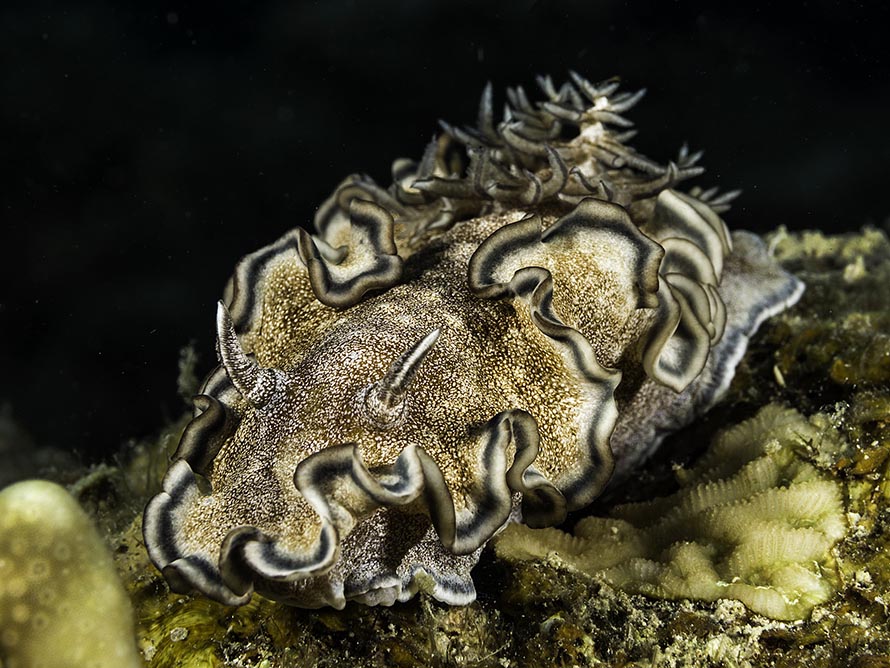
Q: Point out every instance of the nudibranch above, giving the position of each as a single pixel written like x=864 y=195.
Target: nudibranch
x=519 y=318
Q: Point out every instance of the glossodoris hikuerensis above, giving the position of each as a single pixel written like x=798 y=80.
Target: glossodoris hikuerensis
x=521 y=316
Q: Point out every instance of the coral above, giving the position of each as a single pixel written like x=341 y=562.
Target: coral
x=61 y=603
x=751 y=521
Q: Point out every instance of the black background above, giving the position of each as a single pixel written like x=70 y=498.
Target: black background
x=146 y=146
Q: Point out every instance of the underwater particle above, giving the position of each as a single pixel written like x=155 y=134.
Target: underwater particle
x=61 y=603
x=751 y=521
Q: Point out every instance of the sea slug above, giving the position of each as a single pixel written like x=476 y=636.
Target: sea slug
x=519 y=318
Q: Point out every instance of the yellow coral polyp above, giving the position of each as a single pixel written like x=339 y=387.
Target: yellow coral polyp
x=61 y=603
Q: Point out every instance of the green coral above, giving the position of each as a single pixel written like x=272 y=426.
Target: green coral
x=752 y=521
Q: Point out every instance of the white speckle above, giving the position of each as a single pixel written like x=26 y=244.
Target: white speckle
x=855 y=270
x=863 y=578
x=778 y=375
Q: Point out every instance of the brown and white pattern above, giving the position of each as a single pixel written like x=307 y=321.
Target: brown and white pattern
x=518 y=318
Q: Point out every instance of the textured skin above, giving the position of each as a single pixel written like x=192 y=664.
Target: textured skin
x=453 y=353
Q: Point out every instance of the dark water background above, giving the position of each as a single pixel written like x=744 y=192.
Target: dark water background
x=146 y=146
